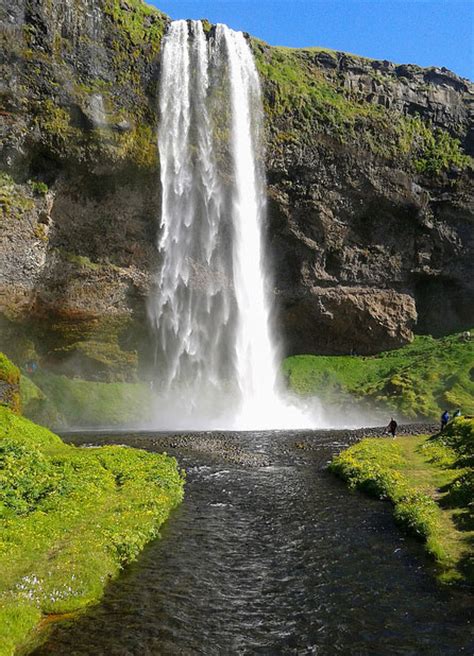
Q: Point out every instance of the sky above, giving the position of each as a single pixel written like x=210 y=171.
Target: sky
x=424 y=32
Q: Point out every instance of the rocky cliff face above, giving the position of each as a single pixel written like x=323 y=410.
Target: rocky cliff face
x=369 y=182
x=371 y=199
x=79 y=188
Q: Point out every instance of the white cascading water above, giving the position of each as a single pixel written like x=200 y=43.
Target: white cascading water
x=216 y=361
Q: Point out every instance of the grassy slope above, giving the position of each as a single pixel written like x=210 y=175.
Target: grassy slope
x=61 y=401
x=419 y=380
x=70 y=518
x=430 y=483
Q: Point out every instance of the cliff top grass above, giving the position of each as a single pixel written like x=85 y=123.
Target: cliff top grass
x=430 y=485
x=141 y=22
x=70 y=518
x=317 y=49
x=418 y=381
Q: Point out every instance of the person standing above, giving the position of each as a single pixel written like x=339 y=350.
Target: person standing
x=444 y=419
x=392 y=427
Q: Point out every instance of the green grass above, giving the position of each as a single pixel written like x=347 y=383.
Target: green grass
x=425 y=480
x=70 y=519
x=419 y=380
x=62 y=401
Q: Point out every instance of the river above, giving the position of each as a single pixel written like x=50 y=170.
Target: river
x=269 y=554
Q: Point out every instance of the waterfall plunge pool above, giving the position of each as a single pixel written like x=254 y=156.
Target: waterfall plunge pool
x=269 y=554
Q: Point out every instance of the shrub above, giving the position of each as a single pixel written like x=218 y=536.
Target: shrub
x=39 y=188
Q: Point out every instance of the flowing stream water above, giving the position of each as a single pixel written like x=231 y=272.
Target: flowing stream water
x=216 y=356
x=269 y=554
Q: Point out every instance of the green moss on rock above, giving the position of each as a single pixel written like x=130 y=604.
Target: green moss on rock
x=300 y=99
x=54 y=123
x=431 y=150
x=75 y=402
x=9 y=373
x=99 y=358
x=138 y=23
x=9 y=385
x=14 y=199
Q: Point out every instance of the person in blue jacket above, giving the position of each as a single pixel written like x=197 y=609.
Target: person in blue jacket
x=444 y=419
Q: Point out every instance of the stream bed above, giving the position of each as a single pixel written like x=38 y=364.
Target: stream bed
x=269 y=554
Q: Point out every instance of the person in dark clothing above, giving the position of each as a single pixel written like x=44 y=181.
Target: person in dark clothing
x=392 y=427
x=444 y=419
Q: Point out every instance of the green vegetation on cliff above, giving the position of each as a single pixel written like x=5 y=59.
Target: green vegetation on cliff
x=430 y=484
x=8 y=372
x=80 y=118
x=299 y=88
x=14 y=199
x=431 y=150
x=74 y=343
x=419 y=380
x=137 y=22
x=70 y=519
x=301 y=98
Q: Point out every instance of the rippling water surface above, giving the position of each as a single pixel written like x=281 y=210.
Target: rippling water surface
x=269 y=554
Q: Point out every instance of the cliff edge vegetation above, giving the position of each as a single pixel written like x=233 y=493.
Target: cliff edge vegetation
x=70 y=519
x=353 y=98
x=430 y=483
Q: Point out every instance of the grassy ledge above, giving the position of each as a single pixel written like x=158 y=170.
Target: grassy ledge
x=70 y=519
x=430 y=482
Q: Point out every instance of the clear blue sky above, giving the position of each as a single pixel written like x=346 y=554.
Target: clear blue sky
x=424 y=32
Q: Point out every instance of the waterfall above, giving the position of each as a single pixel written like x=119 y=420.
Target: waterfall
x=216 y=361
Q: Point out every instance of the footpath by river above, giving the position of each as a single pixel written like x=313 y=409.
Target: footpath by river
x=269 y=554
